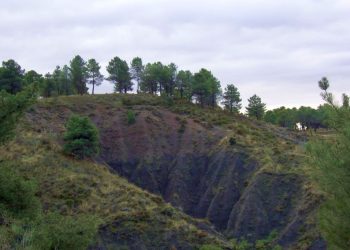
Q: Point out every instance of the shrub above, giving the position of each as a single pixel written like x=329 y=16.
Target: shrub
x=12 y=108
x=65 y=232
x=232 y=141
x=81 y=137
x=131 y=117
x=17 y=195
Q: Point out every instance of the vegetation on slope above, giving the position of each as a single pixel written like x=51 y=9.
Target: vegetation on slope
x=213 y=130
x=330 y=160
x=84 y=189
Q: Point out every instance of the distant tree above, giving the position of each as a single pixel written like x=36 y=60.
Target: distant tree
x=12 y=108
x=81 y=137
x=171 y=81
x=206 y=88
x=345 y=101
x=67 y=81
x=79 y=74
x=119 y=75
x=283 y=117
x=93 y=72
x=323 y=84
x=48 y=86
x=271 y=116
x=136 y=71
x=256 y=109
x=150 y=78
x=231 y=98
x=11 y=76
x=32 y=77
x=58 y=81
x=184 y=81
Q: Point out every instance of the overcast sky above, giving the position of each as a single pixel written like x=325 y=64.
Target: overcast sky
x=275 y=49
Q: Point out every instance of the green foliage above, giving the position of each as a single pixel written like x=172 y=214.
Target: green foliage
x=94 y=77
x=119 y=75
x=330 y=161
x=131 y=117
x=346 y=101
x=17 y=195
x=59 y=82
x=11 y=109
x=81 y=137
x=11 y=77
x=79 y=74
x=32 y=77
x=158 y=77
x=307 y=117
x=231 y=99
x=136 y=71
x=267 y=243
x=184 y=83
x=256 y=109
x=206 y=88
x=65 y=232
x=241 y=245
x=323 y=84
x=283 y=117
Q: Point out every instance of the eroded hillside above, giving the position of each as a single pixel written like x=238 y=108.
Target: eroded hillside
x=243 y=176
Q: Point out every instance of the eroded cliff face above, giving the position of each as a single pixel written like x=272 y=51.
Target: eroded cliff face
x=196 y=168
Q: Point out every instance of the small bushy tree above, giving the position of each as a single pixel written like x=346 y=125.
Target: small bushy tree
x=11 y=76
x=256 y=108
x=12 y=108
x=136 y=71
x=119 y=75
x=131 y=117
x=79 y=75
x=81 y=137
x=17 y=195
x=95 y=78
x=232 y=99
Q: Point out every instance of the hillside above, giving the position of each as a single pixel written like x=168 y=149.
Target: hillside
x=179 y=176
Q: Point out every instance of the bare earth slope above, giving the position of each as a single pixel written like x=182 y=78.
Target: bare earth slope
x=241 y=175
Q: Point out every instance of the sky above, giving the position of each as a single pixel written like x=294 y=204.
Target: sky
x=275 y=49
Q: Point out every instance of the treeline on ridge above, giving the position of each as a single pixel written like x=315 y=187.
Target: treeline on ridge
x=156 y=78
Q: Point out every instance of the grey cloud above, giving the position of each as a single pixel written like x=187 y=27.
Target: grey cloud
x=276 y=49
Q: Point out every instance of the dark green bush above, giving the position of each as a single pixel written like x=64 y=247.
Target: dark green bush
x=232 y=141
x=131 y=117
x=17 y=195
x=81 y=137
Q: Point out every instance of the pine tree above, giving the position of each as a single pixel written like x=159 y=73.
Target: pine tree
x=256 y=109
x=94 y=78
x=232 y=100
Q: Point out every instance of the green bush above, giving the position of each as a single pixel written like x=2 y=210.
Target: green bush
x=81 y=137
x=232 y=141
x=65 y=232
x=17 y=195
x=131 y=117
x=12 y=108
